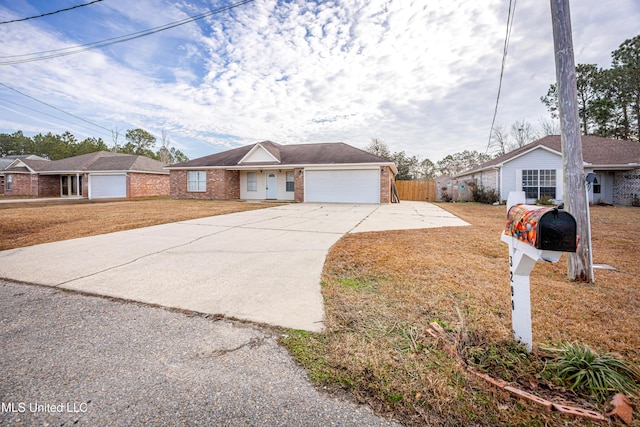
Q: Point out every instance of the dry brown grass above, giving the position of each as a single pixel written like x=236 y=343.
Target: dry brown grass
x=382 y=289
x=29 y=223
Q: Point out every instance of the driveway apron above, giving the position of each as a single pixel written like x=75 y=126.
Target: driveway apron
x=262 y=265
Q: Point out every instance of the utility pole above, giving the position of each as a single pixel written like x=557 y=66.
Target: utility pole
x=578 y=265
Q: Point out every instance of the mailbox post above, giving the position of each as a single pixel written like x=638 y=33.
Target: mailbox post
x=533 y=233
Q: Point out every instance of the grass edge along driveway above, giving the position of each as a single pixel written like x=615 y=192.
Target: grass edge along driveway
x=381 y=291
x=30 y=223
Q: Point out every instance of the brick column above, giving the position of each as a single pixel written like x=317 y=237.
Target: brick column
x=298 y=185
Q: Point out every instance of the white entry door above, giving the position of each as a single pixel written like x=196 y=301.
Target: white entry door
x=272 y=185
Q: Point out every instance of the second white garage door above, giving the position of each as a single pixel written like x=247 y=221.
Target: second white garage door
x=342 y=186
x=108 y=186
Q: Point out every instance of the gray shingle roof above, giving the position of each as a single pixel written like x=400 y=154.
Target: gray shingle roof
x=6 y=161
x=596 y=151
x=328 y=153
x=98 y=161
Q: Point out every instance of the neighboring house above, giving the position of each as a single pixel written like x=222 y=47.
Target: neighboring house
x=327 y=172
x=536 y=169
x=450 y=189
x=96 y=175
x=5 y=162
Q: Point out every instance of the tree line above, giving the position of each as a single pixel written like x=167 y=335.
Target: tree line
x=608 y=98
x=415 y=168
x=609 y=106
x=56 y=147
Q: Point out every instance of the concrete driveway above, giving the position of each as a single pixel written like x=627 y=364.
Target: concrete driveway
x=262 y=265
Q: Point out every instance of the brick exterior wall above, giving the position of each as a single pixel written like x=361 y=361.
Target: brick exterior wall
x=85 y=185
x=386 y=177
x=298 y=185
x=147 y=184
x=232 y=179
x=221 y=185
x=24 y=184
x=626 y=185
x=49 y=186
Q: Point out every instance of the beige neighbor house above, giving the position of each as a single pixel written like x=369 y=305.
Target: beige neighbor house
x=326 y=172
x=96 y=175
x=536 y=169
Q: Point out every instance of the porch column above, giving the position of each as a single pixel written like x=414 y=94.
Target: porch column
x=78 y=188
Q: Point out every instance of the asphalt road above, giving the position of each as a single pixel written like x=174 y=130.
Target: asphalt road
x=71 y=359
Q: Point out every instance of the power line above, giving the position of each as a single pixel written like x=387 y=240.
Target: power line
x=50 y=13
x=507 y=38
x=56 y=53
x=55 y=108
x=43 y=113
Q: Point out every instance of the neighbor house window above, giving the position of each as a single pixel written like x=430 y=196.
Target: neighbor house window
x=9 y=182
x=252 y=181
x=289 y=181
x=197 y=181
x=537 y=183
x=596 y=186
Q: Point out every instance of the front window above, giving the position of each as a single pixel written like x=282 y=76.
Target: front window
x=197 y=181
x=9 y=182
x=290 y=184
x=252 y=181
x=538 y=183
x=596 y=186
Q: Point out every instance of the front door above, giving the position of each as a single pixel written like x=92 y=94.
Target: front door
x=70 y=185
x=272 y=185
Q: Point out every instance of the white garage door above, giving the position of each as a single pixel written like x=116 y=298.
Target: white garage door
x=108 y=186
x=342 y=186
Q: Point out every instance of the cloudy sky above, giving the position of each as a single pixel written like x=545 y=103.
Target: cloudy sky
x=421 y=75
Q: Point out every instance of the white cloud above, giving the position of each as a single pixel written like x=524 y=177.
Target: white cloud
x=421 y=75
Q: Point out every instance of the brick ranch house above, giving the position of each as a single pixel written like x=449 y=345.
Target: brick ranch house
x=96 y=175
x=536 y=169
x=326 y=172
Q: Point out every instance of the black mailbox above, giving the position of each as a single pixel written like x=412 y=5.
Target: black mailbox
x=544 y=228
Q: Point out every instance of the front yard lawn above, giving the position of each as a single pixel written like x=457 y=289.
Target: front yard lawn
x=382 y=290
x=30 y=223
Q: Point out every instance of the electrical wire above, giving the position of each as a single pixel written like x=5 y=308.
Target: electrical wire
x=45 y=114
x=507 y=38
x=55 y=108
x=56 y=53
x=50 y=13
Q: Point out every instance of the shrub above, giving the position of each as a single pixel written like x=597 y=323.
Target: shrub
x=445 y=195
x=635 y=201
x=592 y=374
x=545 y=200
x=481 y=195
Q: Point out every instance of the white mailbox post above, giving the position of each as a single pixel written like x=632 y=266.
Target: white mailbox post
x=523 y=255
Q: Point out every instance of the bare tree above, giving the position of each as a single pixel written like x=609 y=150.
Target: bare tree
x=548 y=127
x=500 y=140
x=163 y=153
x=521 y=133
x=379 y=148
x=114 y=137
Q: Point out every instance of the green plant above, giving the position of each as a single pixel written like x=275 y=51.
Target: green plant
x=544 y=200
x=592 y=374
x=635 y=201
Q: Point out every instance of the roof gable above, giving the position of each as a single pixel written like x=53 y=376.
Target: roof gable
x=595 y=151
x=97 y=161
x=261 y=154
